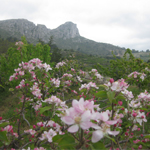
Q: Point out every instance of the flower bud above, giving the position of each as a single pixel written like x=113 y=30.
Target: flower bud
x=142 y=117
x=120 y=103
x=111 y=80
x=140 y=147
x=34 y=126
x=134 y=114
x=126 y=133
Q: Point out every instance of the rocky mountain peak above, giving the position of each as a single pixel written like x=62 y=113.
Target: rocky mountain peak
x=67 y=30
x=30 y=30
x=66 y=36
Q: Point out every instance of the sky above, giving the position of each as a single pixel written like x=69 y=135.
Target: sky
x=123 y=23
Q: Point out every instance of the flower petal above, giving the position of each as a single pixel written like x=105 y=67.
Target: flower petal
x=111 y=122
x=104 y=116
x=73 y=128
x=85 y=125
x=86 y=116
x=113 y=132
x=95 y=126
x=96 y=136
x=78 y=105
x=68 y=120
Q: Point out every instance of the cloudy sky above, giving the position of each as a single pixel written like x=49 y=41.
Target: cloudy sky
x=124 y=23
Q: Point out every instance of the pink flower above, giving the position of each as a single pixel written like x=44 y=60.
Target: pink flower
x=119 y=85
x=40 y=124
x=77 y=120
x=60 y=64
x=8 y=128
x=136 y=141
x=134 y=104
x=140 y=147
x=21 y=73
x=32 y=132
x=104 y=128
x=102 y=131
x=15 y=134
x=48 y=135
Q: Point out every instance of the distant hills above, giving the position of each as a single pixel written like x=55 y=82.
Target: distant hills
x=66 y=36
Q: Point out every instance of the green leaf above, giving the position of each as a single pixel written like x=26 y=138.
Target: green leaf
x=101 y=94
x=120 y=97
x=103 y=86
x=147 y=136
x=55 y=118
x=57 y=138
x=4 y=124
x=1 y=143
x=111 y=95
x=98 y=145
x=144 y=109
x=45 y=109
x=111 y=139
x=64 y=141
x=3 y=136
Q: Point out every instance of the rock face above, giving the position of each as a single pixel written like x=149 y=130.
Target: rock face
x=66 y=36
x=21 y=26
x=18 y=27
x=66 y=31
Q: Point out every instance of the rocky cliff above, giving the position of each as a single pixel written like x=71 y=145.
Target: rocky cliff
x=20 y=27
x=66 y=36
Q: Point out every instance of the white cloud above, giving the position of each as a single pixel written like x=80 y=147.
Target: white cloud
x=123 y=23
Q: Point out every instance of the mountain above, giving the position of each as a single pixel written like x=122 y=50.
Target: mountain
x=66 y=36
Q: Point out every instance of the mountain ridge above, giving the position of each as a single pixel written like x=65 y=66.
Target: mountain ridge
x=66 y=36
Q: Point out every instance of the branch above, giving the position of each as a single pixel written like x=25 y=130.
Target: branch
x=120 y=142
x=21 y=115
x=27 y=144
x=26 y=119
x=123 y=141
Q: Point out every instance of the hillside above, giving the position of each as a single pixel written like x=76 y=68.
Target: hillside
x=66 y=36
x=143 y=55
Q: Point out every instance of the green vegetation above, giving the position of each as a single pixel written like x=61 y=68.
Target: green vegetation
x=5 y=44
x=108 y=98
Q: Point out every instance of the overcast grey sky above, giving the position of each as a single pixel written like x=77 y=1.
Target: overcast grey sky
x=124 y=23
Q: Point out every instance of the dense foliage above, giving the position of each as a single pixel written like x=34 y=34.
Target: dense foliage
x=10 y=60
x=63 y=107
x=6 y=43
x=122 y=67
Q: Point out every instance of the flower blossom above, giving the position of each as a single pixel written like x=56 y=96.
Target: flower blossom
x=48 y=135
x=104 y=127
x=88 y=86
x=77 y=120
x=79 y=115
x=60 y=64
x=55 y=81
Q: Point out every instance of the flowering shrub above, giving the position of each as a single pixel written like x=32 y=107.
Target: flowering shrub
x=70 y=113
